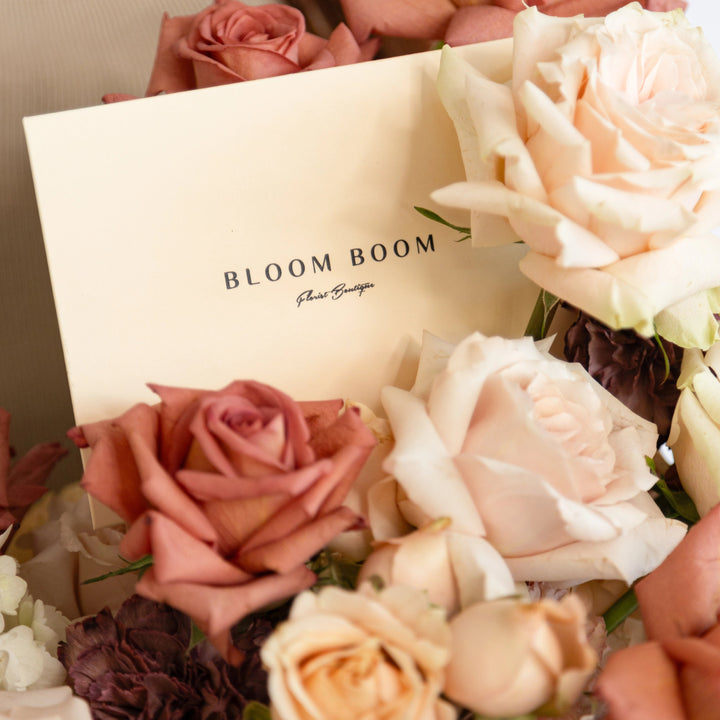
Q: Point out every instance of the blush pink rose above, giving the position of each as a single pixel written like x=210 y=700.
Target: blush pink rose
x=675 y=675
x=598 y=155
x=461 y=22
x=230 y=42
x=230 y=491
x=530 y=453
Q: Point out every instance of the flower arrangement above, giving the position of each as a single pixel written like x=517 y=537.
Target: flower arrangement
x=524 y=535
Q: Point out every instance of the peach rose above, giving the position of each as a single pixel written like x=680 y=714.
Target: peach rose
x=695 y=430
x=510 y=657
x=675 y=674
x=359 y=654
x=455 y=569
x=229 y=42
x=602 y=156
x=230 y=491
x=531 y=453
x=461 y=22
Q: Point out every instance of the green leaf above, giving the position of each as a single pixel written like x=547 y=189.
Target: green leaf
x=679 y=501
x=430 y=215
x=137 y=566
x=620 y=610
x=255 y=710
x=332 y=569
x=542 y=315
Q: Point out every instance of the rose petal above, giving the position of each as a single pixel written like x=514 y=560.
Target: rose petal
x=682 y=596
x=429 y=477
x=640 y=682
x=627 y=557
x=217 y=609
x=398 y=18
x=179 y=557
x=286 y=553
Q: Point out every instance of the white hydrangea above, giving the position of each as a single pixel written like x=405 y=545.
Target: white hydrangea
x=29 y=634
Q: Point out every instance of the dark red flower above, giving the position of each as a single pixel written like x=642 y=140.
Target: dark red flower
x=633 y=368
x=139 y=665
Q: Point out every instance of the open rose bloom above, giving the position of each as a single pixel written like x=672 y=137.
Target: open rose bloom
x=230 y=491
x=530 y=453
x=359 y=654
x=230 y=42
x=602 y=155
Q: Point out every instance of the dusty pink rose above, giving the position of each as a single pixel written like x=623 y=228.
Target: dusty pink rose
x=230 y=491
x=229 y=42
x=675 y=675
x=23 y=482
x=461 y=22
x=530 y=453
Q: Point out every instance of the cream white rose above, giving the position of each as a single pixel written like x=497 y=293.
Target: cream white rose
x=532 y=454
x=695 y=431
x=602 y=153
x=56 y=703
x=510 y=657
x=454 y=568
x=60 y=550
x=345 y=654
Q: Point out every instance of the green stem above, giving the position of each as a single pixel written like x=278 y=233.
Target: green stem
x=620 y=610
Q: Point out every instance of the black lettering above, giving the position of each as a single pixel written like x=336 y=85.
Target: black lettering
x=249 y=278
x=403 y=244
x=231 y=280
x=325 y=264
x=278 y=270
x=384 y=252
x=356 y=256
x=302 y=267
x=420 y=244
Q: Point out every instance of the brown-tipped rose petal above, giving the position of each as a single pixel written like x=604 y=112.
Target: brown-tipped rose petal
x=478 y=23
x=682 y=596
x=180 y=557
x=161 y=491
x=310 y=504
x=177 y=409
x=136 y=541
x=111 y=475
x=217 y=609
x=398 y=18
x=170 y=72
x=342 y=46
x=208 y=486
x=295 y=547
x=639 y=683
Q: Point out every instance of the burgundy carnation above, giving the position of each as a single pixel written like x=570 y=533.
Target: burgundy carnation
x=631 y=367
x=139 y=664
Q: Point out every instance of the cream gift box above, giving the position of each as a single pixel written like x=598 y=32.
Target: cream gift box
x=264 y=230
